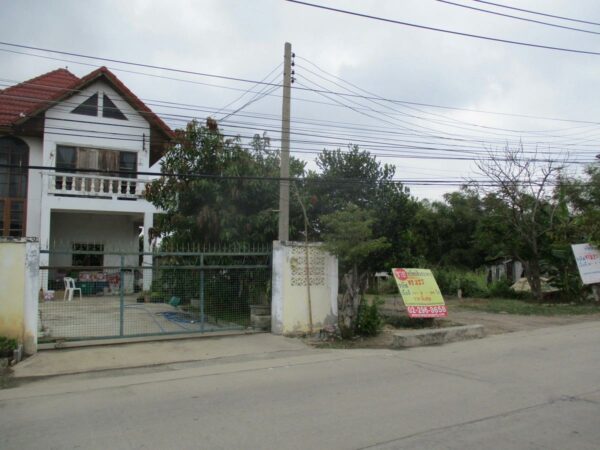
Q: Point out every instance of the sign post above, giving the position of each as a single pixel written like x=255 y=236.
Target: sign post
x=420 y=293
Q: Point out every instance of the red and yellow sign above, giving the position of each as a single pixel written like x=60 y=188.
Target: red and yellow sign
x=420 y=293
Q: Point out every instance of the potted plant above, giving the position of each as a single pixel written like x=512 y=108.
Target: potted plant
x=7 y=347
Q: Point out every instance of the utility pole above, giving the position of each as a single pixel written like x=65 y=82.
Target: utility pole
x=284 y=169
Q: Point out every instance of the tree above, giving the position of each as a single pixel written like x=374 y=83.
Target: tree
x=520 y=190
x=446 y=230
x=348 y=234
x=583 y=197
x=214 y=189
x=355 y=176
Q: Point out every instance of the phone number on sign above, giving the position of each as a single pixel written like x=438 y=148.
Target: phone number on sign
x=427 y=311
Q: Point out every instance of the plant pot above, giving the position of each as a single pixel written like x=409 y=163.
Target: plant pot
x=260 y=317
x=260 y=310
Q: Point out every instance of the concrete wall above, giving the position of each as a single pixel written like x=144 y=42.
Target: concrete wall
x=289 y=306
x=19 y=281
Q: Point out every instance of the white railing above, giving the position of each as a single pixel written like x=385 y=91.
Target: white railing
x=98 y=186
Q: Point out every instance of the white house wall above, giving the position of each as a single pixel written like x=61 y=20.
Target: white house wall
x=97 y=132
x=62 y=127
x=34 y=187
x=115 y=232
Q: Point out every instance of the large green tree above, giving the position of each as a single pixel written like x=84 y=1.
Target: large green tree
x=215 y=189
x=356 y=177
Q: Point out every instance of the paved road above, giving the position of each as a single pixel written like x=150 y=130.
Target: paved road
x=528 y=390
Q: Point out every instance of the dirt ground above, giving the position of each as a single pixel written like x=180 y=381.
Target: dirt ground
x=493 y=323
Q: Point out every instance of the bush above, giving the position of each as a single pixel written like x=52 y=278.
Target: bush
x=386 y=286
x=450 y=280
x=369 y=320
x=501 y=289
x=7 y=346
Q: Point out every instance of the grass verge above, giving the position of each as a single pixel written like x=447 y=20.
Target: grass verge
x=525 y=308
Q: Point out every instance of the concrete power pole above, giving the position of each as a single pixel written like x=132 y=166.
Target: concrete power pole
x=284 y=170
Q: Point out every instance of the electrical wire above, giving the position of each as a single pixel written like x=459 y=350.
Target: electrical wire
x=517 y=17
x=404 y=102
x=442 y=30
x=536 y=12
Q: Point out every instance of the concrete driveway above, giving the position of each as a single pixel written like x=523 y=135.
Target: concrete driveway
x=99 y=317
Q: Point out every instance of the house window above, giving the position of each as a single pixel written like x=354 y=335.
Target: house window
x=110 y=110
x=80 y=257
x=89 y=107
x=13 y=186
x=69 y=159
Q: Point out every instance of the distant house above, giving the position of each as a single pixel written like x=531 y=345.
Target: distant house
x=88 y=138
x=508 y=269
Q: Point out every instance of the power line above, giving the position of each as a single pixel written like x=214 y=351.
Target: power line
x=517 y=17
x=537 y=12
x=306 y=179
x=254 y=99
x=442 y=30
x=370 y=143
x=129 y=63
x=249 y=90
x=403 y=102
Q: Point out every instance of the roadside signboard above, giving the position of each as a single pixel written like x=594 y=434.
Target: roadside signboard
x=588 y=262
x=420 y=293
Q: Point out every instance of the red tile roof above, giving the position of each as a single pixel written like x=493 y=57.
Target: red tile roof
x=22 y=99
x=32 y=97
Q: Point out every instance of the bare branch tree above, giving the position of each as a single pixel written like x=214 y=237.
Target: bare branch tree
x=523 y=183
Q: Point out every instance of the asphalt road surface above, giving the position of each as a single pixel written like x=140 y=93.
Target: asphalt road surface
x=528 y=390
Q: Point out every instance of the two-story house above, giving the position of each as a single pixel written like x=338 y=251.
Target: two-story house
x=70 y=152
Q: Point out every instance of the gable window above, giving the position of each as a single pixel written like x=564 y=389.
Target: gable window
x=89 y=107
x=13 y=186
x=81 y=257
x=110 y=110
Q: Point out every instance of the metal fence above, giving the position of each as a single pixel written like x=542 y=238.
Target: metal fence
x=89 y=293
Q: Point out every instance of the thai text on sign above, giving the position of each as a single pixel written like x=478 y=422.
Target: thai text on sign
x=420 y=293
x=588 y=262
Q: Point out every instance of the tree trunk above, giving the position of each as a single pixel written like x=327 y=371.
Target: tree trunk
x=348 y=308
x=533 y=277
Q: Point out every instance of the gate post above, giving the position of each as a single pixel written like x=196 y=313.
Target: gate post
x=290 y=311
x=122 y=297
x=20 y=281
x=202 y=293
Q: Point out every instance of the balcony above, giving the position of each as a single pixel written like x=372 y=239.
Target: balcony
x=96 y=186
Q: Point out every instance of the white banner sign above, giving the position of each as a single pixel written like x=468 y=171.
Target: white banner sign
x=588 y=262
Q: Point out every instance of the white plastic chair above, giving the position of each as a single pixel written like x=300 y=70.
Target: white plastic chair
x=70 y=289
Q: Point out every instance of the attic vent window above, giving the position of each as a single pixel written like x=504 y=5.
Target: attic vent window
x=110 y=110
x=89 y=107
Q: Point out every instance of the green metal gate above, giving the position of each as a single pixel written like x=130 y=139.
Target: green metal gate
x=92 y=293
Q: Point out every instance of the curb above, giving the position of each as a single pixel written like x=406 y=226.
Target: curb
x=419 y=338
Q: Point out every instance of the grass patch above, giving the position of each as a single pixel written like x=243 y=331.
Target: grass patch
x=520 y=307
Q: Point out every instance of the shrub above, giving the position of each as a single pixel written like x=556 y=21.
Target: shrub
x=450 y=280
x=7 y=346
x=369 y=320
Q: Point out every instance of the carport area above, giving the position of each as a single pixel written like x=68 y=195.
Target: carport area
x=100 y=317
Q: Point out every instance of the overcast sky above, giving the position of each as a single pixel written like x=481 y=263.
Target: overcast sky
x=245 y=39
